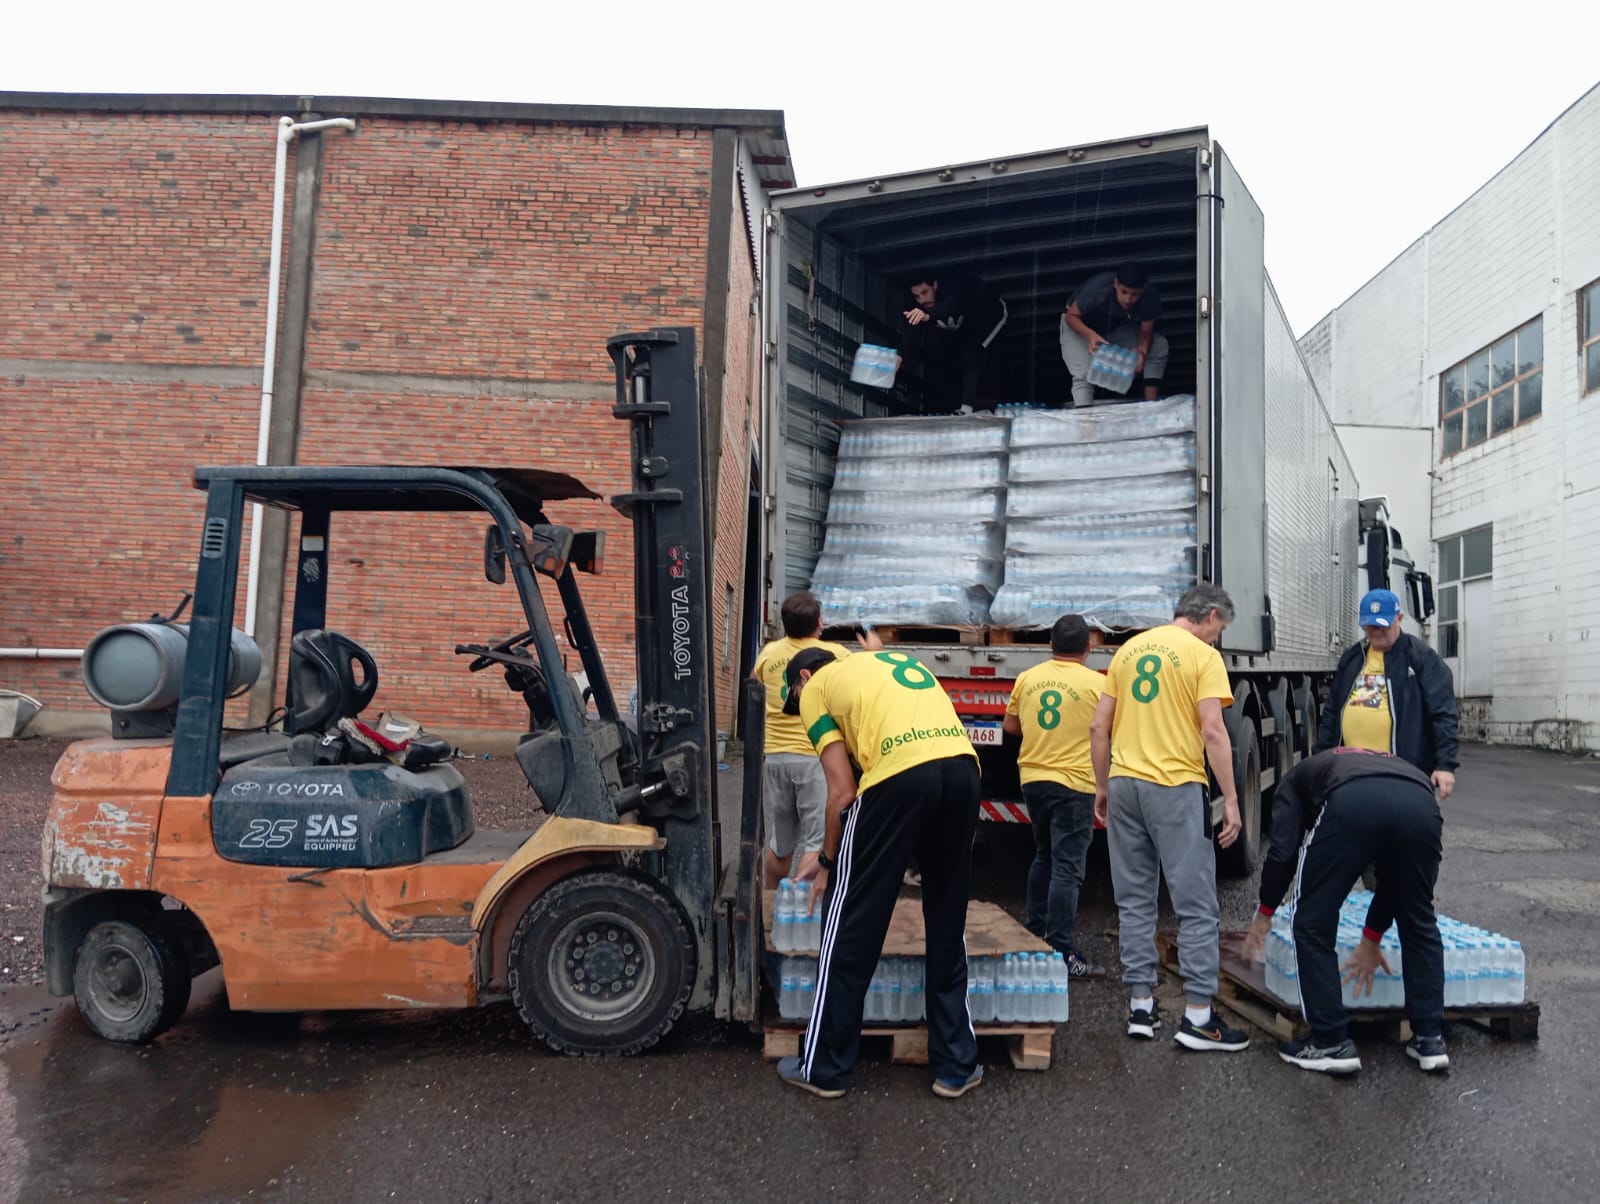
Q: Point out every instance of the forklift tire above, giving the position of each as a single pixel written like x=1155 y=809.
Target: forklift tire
x=130 y=983
x=602 y=963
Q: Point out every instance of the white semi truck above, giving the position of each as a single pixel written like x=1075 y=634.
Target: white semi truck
x=1281 y=523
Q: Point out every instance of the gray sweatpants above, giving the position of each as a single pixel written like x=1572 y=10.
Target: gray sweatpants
x=1075 y=354
x=1153 y=830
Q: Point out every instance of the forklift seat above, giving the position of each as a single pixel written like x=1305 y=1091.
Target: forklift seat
x=322 y=683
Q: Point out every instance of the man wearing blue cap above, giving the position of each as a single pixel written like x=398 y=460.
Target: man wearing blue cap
x=1392 y=693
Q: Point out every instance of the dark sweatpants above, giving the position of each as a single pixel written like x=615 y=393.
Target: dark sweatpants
x=930 y=810
x=1396 y=824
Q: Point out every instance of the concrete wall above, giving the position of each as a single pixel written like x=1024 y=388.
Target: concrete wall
x=465 y=273
x=1521 y=247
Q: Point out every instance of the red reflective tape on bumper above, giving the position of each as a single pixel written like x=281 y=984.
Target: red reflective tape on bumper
x=1004 y=813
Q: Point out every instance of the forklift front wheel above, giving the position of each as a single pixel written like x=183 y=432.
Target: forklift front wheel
x=602 y=963
x=130 y=983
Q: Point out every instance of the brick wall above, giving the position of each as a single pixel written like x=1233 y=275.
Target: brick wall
x=466 y=276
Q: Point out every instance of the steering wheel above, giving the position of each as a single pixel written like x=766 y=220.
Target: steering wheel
x=508 y=651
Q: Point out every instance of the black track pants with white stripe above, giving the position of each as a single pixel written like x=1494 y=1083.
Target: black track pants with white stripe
x=1398 y=825
x=930 y=810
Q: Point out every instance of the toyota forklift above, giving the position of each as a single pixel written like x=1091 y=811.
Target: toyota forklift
x=334 y=862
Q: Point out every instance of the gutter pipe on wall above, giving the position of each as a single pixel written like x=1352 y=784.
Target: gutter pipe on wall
x=287 y=129
x=40 y=654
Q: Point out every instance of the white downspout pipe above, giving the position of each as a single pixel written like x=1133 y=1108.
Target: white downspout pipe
x=40 y=654
x=287 y=129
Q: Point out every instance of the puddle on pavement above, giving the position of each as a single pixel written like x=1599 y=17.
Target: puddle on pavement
x=1558 y=894
x=1500 y=840
x=196 y=1114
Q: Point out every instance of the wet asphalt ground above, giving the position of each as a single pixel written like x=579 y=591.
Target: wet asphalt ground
x=462 y=1106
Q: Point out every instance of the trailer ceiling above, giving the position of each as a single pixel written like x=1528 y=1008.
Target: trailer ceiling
x=1033 y=236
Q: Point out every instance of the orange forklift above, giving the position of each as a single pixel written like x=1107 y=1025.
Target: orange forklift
x=334 y=862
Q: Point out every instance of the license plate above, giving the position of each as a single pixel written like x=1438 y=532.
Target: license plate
x=984 y=734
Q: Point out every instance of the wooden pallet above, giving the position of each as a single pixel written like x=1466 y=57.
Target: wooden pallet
x=910 y=633
x=990 y=931
x=1242 y=989
x=1027 y=1044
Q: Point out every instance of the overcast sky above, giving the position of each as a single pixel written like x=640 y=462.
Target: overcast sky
x=1356 y=125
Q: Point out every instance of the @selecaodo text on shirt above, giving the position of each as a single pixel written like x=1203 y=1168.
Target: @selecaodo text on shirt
x=918 y=733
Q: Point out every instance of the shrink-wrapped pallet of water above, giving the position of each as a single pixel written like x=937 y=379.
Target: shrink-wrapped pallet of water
x=914 y=530
x=1100 y=515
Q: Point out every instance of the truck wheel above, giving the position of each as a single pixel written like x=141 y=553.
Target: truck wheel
x=602 y=963
x=130 y=983
x=1238 y=859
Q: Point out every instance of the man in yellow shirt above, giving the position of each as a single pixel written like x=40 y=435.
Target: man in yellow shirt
x=794 y=792
x=1392 y=693
x=1051 y=707
x=1158 y=721
x=918 y=793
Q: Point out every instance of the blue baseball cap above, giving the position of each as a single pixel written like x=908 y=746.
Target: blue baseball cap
x=1379 y=608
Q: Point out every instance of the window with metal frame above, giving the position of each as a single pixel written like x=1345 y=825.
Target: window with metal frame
x=1492 y=390
x=1462 y=558
x=1589 y=335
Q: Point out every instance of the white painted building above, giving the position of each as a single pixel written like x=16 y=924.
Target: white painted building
x=1465 y=382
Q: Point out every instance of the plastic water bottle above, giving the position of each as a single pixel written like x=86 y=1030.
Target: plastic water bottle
x=1060 y=979
x=808 y=992
x=789 y=992
x=897 y=992
x=1005 y=997
x=783 y=917
x=982 y=973
x=1517 y=979
x=1043 y=988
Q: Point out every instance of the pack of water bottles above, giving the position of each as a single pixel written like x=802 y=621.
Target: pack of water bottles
x=1113 y=367
x=874 y=366
x=1479 y=966
x=1100 y=514
x=913 y=529
x=796 y=925
x=1018 y=988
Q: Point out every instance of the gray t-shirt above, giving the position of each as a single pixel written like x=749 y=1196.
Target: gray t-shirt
x=1097 y=302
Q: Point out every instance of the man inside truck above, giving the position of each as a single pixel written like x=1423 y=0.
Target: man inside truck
x=1121 y=308
x=1155 y=727
x=1393 y=693
x=794 y=792
x=948 y=330
x=1051 y=707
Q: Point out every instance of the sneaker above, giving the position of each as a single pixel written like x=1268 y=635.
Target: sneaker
x=1329 y=1059
x=1213 y=1034
x=1142 y=1023
x=789 y=1071
x=1078 y=968
x=952 y=1088
x=1428 y=1053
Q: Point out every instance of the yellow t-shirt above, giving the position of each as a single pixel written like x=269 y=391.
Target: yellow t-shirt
x=785 y=733
x=1159 y=679
x=889 y=710
x=1367 y=721
x=1055 y=704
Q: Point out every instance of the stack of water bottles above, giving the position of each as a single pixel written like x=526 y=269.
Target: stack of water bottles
x=874 y=366
x=1100 y=514
x=796 y=925
x=1479 y=966
x=913 y=528
x=1113 y=367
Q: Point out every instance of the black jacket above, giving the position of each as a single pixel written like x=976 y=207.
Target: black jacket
x=1297 y=803
x=1422 y=703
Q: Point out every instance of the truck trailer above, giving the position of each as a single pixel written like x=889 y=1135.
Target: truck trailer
x=1280 y=520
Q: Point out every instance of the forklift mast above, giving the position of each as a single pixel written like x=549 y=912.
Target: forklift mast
x=658 y=395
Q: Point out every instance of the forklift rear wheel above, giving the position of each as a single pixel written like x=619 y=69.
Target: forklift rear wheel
x=602 y=963
x=130 y=982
